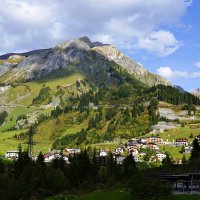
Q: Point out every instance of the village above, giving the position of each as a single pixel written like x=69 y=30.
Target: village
x=142 y=149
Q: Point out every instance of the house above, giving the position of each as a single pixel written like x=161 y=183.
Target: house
x=153 y=159
x=12 y=154
x=132 y=143
x=177 y=161
x=198 y=138
x=181 y=142
x=136 y=158
x=103 y=153
x=152 y=146
x=71 y=152
x=188 y=149
x=161 y=156
x=133 y=151
x=154 y=139
x=143 y=141
x=119 y=159
x=119 y=150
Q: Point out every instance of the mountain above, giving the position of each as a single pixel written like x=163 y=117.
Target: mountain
x=179 y=88
x=196 y=92
x=80 y=93
x=94 y=59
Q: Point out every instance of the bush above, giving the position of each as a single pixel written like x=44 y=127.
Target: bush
x=149 y=188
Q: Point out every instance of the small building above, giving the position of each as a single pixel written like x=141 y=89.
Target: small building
x=161 y=156
x=154 y=139
x=152 y=146
x=12 y=154
x=120 y=159
x=133 y=151
x=188 y=149
x=136 y=158
x=198 y=138
x=71 y=152
x=119 y=150
x=103 y=153
x=181 y=142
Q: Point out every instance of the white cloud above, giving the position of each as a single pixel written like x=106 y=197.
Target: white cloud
x=31 y=24
x=163 y=43
x=197 y=64
x=195 y=75
x=169 y=73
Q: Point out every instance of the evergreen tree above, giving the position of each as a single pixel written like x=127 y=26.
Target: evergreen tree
x=195 y=155
x=184 y=161
x=40 y=159
x=129 y=166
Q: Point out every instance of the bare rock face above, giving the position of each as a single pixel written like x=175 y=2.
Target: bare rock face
x=5 y=67
x=92 y=58
x=196 y=92
x=131 y=66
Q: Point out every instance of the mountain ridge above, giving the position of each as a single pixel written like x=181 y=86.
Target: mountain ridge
x=39 y=63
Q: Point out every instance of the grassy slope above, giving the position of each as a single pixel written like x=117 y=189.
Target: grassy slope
x=30 y=90
x=173 y=134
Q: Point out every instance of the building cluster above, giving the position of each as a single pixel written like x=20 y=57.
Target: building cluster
x=137 y=147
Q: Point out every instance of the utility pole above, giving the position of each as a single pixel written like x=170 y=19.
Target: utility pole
x=30 y=142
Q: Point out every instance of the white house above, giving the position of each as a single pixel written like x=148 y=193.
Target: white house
x=188 y=149
x=136 y=158
x=120 y=159
x=119 y=150
x=161 y=156
x=12 y=154
x=103 y=154
x=181 y=142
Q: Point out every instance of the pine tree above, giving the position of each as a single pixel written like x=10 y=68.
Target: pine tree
x=184 y=161
x=195 y=155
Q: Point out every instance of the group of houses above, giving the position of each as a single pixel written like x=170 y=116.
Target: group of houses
x=137 y=147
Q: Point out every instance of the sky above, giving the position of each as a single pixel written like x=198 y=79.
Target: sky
x=162 y=35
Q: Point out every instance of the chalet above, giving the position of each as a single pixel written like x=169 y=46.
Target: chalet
x=71 y=152
x=103 y=153
x=136 y=158
x=133 y=151
x=154 y=139
x=119 y=159
x=153 y=159
x=12 y=154
x=181 y=142
x=161 y=156
x=198 y=138
x=152 y=146
x=119 y=150
x=177 y=161
x=188 y=149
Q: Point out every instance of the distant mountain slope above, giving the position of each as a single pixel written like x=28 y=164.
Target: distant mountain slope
x=196 y=92
x=93 y=59
x=26 y=54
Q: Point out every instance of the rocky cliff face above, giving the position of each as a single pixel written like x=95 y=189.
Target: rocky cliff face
x=94 y=59
x=196 y=92
x=131 y=66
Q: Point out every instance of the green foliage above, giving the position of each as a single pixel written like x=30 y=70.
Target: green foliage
x=3 y=116
x=149 y=188
x=44 y=97
x=172 y=95
x=195 y=155
x=20 y=117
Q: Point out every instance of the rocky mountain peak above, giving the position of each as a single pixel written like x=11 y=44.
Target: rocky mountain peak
x=196 y=92
x=90 y=57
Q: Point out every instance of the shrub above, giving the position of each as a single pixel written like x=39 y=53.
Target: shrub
x=149 y=188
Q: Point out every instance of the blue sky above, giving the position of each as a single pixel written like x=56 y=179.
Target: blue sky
x=183 y=66
x=163 y=35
